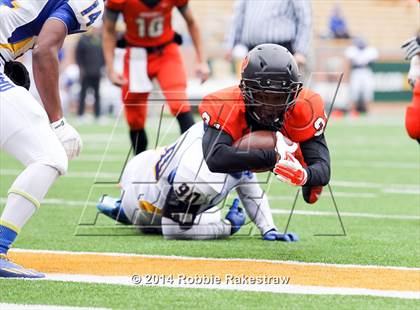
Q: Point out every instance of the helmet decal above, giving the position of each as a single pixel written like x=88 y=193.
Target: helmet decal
x=245 y=63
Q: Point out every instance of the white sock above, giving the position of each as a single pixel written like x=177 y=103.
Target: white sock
x=27 y=191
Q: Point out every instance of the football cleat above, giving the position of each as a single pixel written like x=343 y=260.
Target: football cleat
x=111 y=207
x=274 y=235
x=9 y=269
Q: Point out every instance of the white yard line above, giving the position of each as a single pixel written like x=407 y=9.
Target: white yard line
x=337 y=163
x=81 y=203
x=72 y=174
x=348 y=214
x=405 y=189
x=357 y=184
x=336 y=194
x=375 y=164
x=7 y=306
x=408 y=191
x=272 y=288
x=175 y=257
x=96 y=158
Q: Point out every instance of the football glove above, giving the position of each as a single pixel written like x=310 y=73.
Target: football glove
x=411 y=47
x=284 y=145
x=290 y=171
x=235 y=216
x=414 y=72
x=68 y=136
x=274 y=235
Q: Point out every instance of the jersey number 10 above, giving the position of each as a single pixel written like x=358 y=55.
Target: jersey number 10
x=152 y=28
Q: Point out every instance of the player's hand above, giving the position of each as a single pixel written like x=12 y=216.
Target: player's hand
x=290 y=171
x=202 y=71
x=274 y=235
x=235 y=216
x=414 y=72
x=116 y=78
x=69 y=137
x=284 y=145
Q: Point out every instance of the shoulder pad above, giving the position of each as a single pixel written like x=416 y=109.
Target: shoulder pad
x=87 y=11
x=225 y=110
x=307 y=119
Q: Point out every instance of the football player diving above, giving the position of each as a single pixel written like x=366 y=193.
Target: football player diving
x=198 y=171
x=36 y=135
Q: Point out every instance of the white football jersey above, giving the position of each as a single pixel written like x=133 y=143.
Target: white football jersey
x=22 y=21
x=182 y=166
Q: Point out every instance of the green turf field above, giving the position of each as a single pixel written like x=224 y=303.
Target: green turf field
x=375 y=181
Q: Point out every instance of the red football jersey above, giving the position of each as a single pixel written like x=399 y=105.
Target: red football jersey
x=225 y=110
x=146 y=26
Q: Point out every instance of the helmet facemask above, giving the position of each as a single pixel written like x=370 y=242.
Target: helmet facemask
x=267 y=100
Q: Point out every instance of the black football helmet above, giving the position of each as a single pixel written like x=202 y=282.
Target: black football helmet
x=270 y=84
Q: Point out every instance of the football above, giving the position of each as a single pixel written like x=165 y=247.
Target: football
x=262 y=139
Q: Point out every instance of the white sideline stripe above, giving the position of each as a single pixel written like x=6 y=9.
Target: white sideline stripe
x=348 y=214
x=7 y=306
x=285 y=288
x=75 y=203
x=274 y=211
x=114 y=254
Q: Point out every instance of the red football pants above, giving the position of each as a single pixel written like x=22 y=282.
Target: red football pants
x=167 y=66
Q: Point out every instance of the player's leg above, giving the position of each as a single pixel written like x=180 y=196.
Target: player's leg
x=26 y=135
x=257 y=207
x=172 y=230
x=206 y=226
x=138 y=193
x=256 y=203
x=173 y=81
x=96 y=81
x=141 y=192
x=135 y=108
x=82 y=96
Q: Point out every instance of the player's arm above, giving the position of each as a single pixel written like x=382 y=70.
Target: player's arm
x=109 y=42
x=202 y=68
x=317 y=157
x=222 y=157
x=46 y=66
